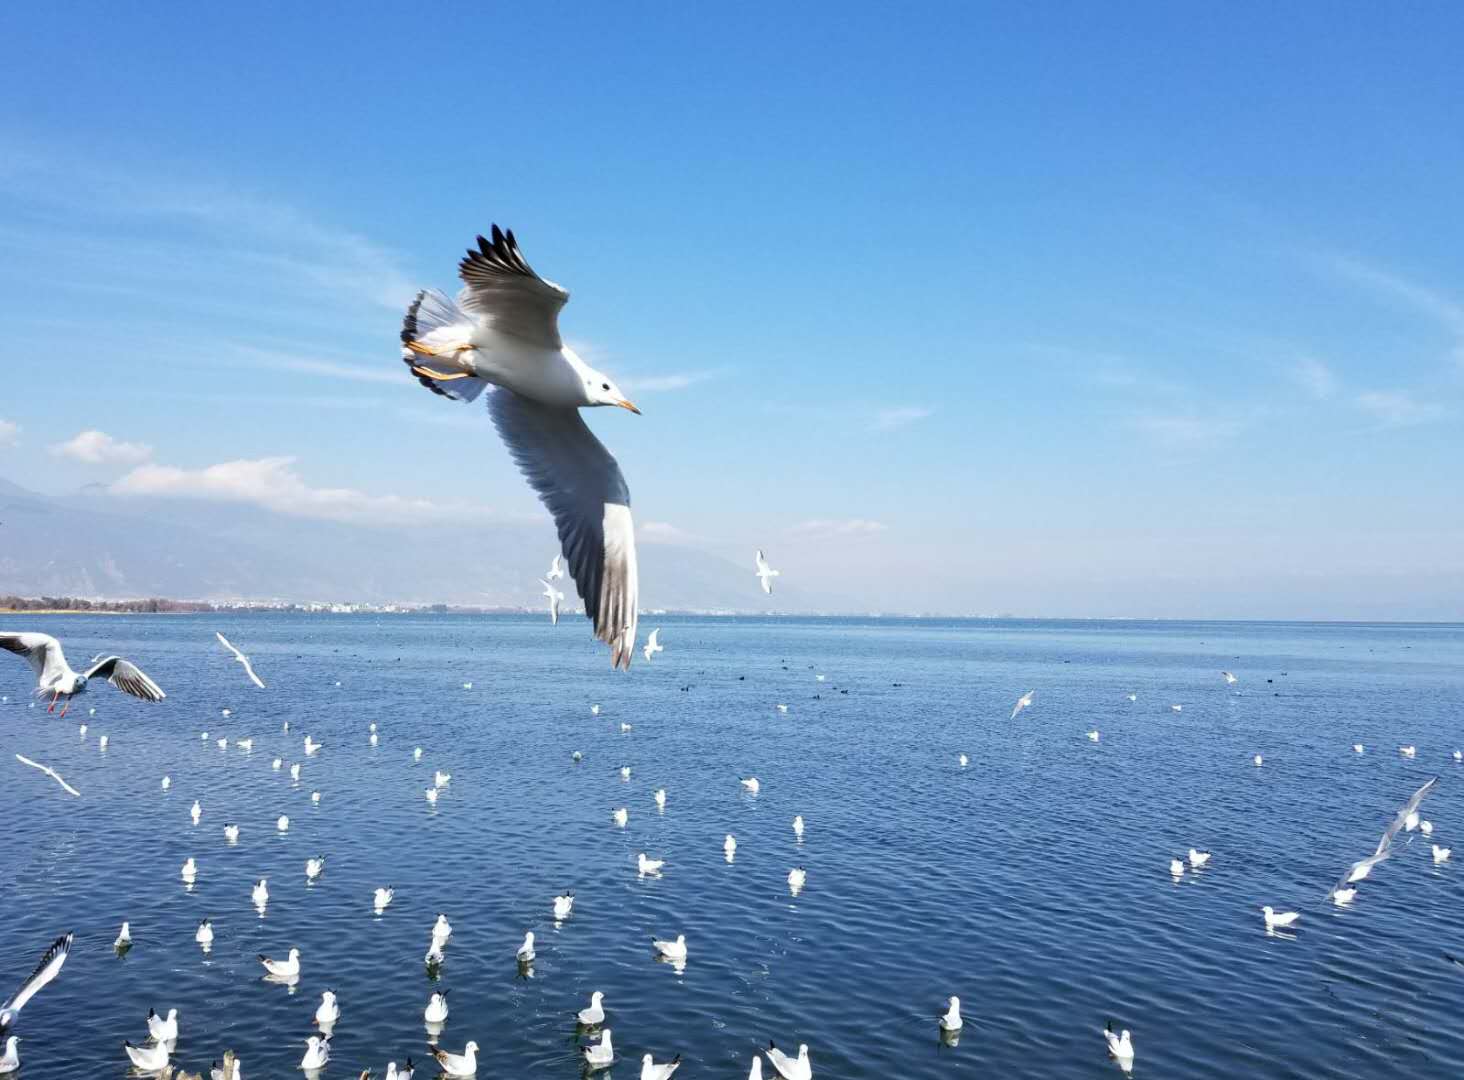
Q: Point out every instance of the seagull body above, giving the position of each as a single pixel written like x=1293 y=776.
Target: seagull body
x=797 y=877
x=276 y=764
x=431 y=794
x=1357 y=748
x=1229 y=678
x=765 y=573
x=10 y=1059
x=625 y=772
x=329 y=1010
x=242 y=659
x=799 y=1068
x=600 y=1055
x=124 y=937
x=648 y=866
x=502 y=337
x=404 y=1073
x=729 y=846
x=441 y=779
x=1411 y=822
x=625 y=727
x=314 y=867
x=317 y=1052
x=283 y=823
x=661 y=798
x=556 y=570
x=54 y=675
x=231 y=833
x=441 y=929
x=1441 y=854
x=962 y=760
x=781 y=708
x=295 y=771
x=671 y=950
x=1023 y=702
x=311 y=746
x=1120 y=1043
x=149 y=1059
x=593 y=1016
x=204 y=934
x=1259 y=761
x=436 y=1011
x=382 y=898
x=1277 y=919
x=1093 y=736
x=525 y=954
x=49 y=967
x=798 y=826
x=1426 y=827
x=417 y=753
x=315 y=796
x=1344 y=895
x=651 y=1071
x=653 y=645
x=283 y=969
x=190 y=869
x=1177 y=708
x=1408 y=751
x=752 y=785
x=167 y=782
x=951 y=1019
x=563 y=906
x=464 y=1064
x=162 y=1029
x=1198 y=859
x=1176 y=867
x=621 y=816
x=260 y=893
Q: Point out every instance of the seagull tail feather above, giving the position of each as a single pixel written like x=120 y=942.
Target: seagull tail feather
x=433 y=321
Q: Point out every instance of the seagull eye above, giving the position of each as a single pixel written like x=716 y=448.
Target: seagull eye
x=604 y=386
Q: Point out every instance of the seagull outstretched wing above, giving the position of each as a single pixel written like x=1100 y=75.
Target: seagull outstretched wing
x=127 y=677
x=582 y=486
x=505 y=293
x=248 y=667
x=46 y=970
x=41 y=651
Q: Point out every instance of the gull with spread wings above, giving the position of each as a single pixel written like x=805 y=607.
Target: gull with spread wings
x=46 y=970
x=55 y=677
x=1363 y=867
x=501 y=338
x=248 y=667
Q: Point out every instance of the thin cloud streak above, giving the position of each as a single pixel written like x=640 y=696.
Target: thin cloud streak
x=9 y=433
x=1398 y=408
x=92 y=447
x=894 y=419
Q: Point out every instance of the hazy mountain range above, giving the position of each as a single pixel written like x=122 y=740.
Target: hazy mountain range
x=96 y=545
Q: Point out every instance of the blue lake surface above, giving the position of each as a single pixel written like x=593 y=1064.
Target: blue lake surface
x=1033 y=883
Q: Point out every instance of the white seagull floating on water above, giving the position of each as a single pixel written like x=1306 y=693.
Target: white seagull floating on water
x=1279 y=919
x=124 y=937
x=148 y=1059
x=329 y=1011
x=671 y=950
x=951 y=1019
x=55 y=677
x=798 y=826
x=799 y=1068
x=242 y=659
x=314 y=867
x=600 y=1055
x=648 y=866
x=464 y=1064
x=317 y=1052
x=594 y=1015
x=1120 y=1043
x=1441 y=854
x=621 y=816
x=1198 y=858
x=288 y=968
x=563 y=906
x=526 y=954
x=502 y=337
x=436 y=1011
x=752 y=785
x=382 y=898
x=204 y=935
x=162 y=1029
x=651 y=1071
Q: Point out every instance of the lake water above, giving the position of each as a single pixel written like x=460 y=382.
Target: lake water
x=1033 y=883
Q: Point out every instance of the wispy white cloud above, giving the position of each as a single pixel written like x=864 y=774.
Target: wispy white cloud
x=1187 y=431
x=371 y=371
x=838 y=527
x=1438 y=305
x=94 y=447
x=1398 y=408
x=274 y=484
x=663 y=532
x=894 y=419
x=651 y=384
x=9 y=433
x=1315 y=377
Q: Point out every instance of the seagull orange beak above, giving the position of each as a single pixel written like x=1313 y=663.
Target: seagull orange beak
x=629 y=405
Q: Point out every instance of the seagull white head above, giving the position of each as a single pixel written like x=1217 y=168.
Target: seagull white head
x=600 y=389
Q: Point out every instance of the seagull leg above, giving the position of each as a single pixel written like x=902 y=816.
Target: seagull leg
x=440 y=376
x=55 y=697
x=64 y=708
x=445 y=350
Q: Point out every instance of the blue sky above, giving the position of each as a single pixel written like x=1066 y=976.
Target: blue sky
x=1040 y=308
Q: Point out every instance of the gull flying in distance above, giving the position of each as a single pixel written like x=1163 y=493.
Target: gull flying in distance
x=464 y=1064
x=1276 y=920
x=162 y=1029
x=951 y=1019
x=600 y=1055
x=436 y=1011
x=46 y=970
x=593 y=1016
x=502 y=337
x=799 y=1068
x=653 y=645
x=651 y=1071
x=1229 y=678
x=148 y=1059
x=53 y=774
x=55 y=677
x=1363 y=867
x=555 y=598
x=1023 y=702
x=765 y=573
x=556 y=570
x=241 y=658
